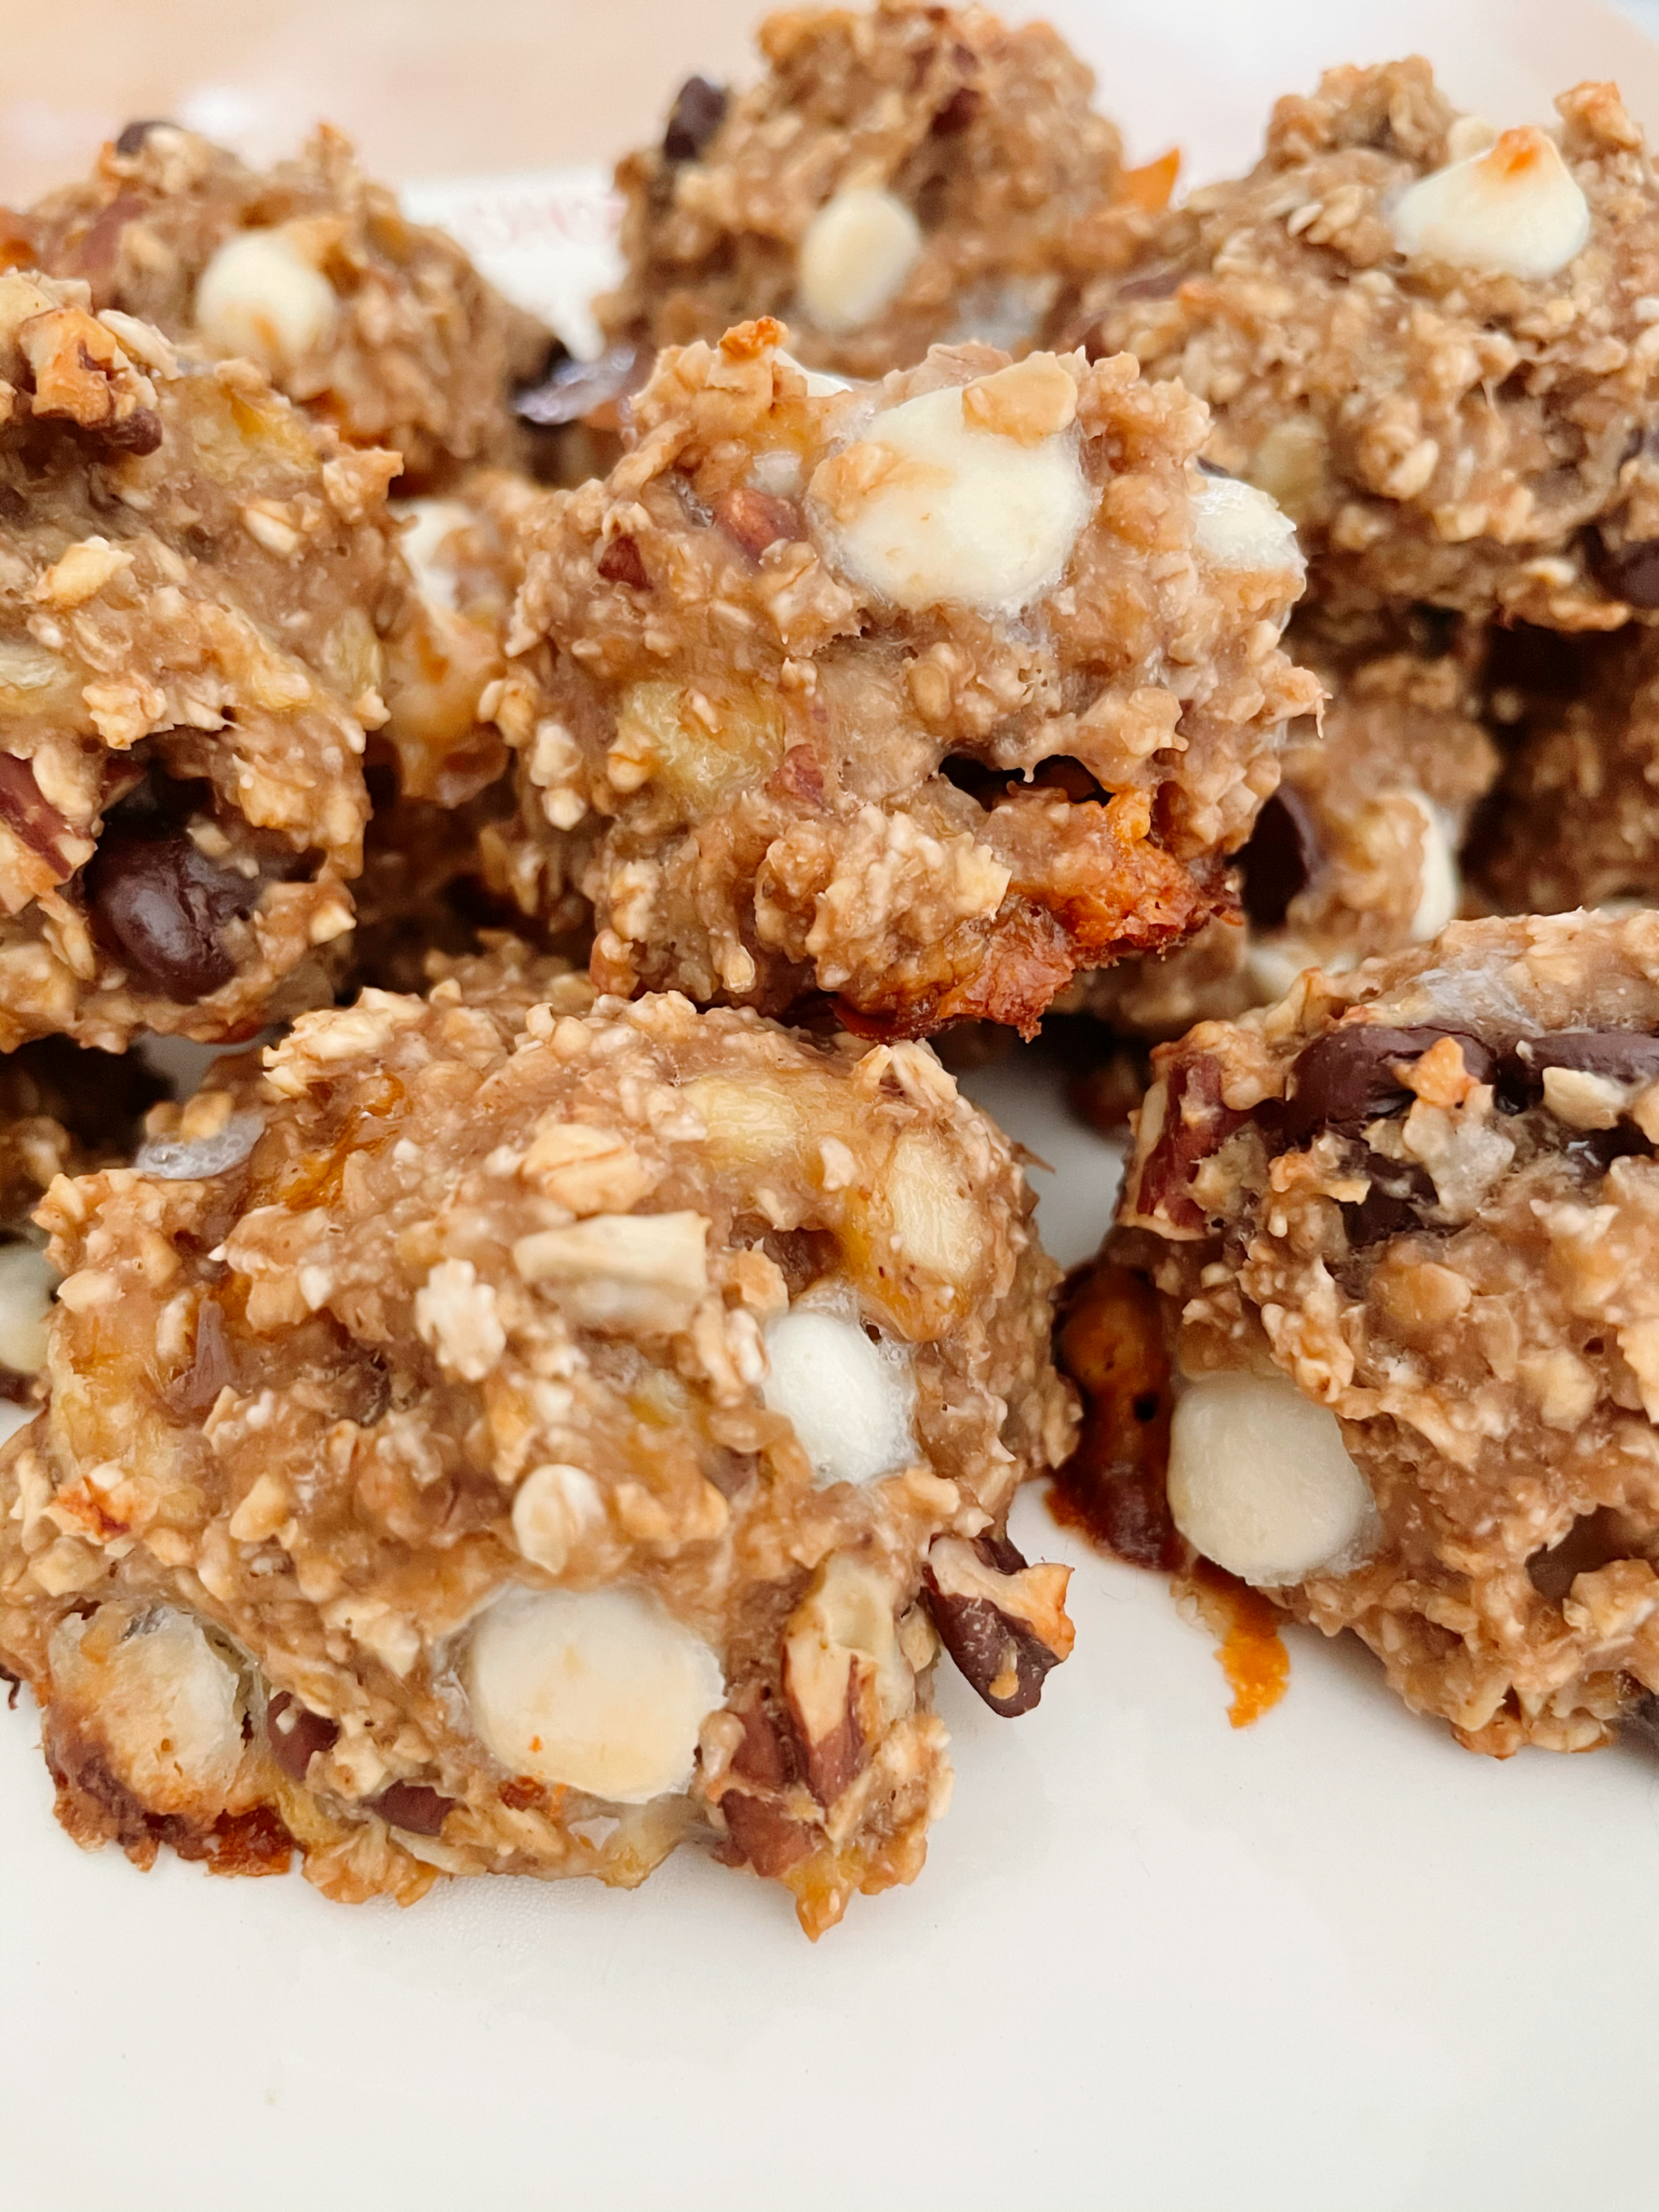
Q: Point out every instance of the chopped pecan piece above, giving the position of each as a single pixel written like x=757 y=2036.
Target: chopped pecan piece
x=755 y=520
x=83 y=375
x=1003 y=1622
x=25 y=811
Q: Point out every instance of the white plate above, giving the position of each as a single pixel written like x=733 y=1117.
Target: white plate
x=1331 y=1961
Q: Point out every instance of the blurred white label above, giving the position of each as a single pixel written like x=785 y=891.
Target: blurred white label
x=546 y=238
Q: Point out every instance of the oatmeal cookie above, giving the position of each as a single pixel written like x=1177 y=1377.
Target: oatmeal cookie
x=516 y=1434
x=1434 y=345
x=1401 y=1230
x=898 y=179
x=922 y=694
x=195 y=585
x=379 y=326
x=1357 y=852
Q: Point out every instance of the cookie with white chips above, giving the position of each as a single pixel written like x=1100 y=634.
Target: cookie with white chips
x=900 y=177
x=1401 y=1231
x=381 y=327
x=1436 y=345
x=920 y=695
x=516 y=1434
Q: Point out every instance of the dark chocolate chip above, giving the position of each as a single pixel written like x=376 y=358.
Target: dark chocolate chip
x=959 y=113
x=1601 y=1147
x=698 y=111
x=412 y=1805
x=620 y=563
x=139 y=433
x=1628 y=570
x=133 y=136
x=1346 y=1077
x=1396 y=1204
x=296 y=1735
x=1620 y=1055
x=161 y=904
x=1278 y=862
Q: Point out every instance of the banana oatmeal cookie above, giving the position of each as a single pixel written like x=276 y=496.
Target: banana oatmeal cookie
x=195 y=586
x=1357 y=852
x=899 y=178
x=379 y=326
x=517 y=1434
x=1436 y=347
x=922 y=694
x=1402 y=1229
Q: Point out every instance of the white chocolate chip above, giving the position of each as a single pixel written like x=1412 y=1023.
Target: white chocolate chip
x=1470 y=134
x=28 y=1279
x=1237 y=526
x=599 y=1690
x=851 y=1401
x=858 y=251
x=1260 y=1480
x=431 y=523
x=1440 y=887
x=260 y=296
x=929 y=509
x=821 y=383
x=1514 y=210
x=161 y=1700
x=555 y=1504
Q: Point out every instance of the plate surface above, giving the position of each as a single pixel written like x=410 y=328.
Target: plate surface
x=1151 y=1962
